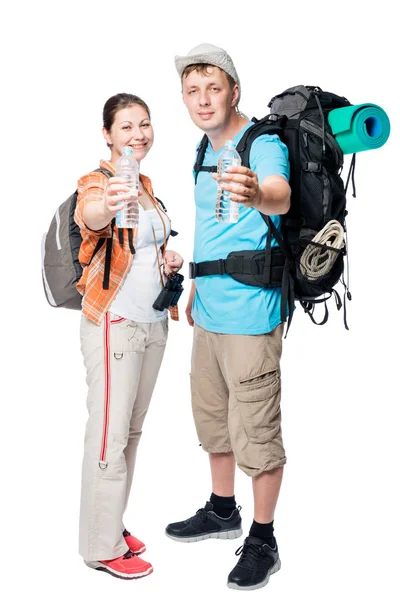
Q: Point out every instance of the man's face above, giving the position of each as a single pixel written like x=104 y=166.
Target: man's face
x=209 y=98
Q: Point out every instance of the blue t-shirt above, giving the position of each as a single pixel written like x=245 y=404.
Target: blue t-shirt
x=222 y=304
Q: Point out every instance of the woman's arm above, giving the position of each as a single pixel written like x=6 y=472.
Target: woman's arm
x=97 y=214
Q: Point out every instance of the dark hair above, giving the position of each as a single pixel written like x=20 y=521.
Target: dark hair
x=115 y=103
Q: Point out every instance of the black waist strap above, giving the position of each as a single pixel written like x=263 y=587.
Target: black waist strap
x=261 y=269
x=247 y=266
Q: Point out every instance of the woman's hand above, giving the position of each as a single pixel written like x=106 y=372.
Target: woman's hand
x=117 y=192
x=172 y=262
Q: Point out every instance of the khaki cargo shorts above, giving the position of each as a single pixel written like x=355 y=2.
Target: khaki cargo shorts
x=236 y=393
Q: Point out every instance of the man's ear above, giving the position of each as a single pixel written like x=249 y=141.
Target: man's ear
x=235 y=95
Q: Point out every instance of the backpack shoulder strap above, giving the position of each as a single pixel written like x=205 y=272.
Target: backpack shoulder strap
x=105 y=172
x=161 y=203
x=267 y=125
x=109 y=241
x=198 y=165
x=173 y=232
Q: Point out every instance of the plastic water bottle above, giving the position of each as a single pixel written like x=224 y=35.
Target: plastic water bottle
x=226 y=210
x=128 y=169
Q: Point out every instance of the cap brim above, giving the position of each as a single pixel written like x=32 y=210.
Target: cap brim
x=181 y=62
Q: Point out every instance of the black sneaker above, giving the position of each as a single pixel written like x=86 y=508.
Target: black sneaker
x=206 y=524
x=256 y=563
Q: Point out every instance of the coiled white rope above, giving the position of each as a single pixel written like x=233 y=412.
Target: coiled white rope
x=316 y=261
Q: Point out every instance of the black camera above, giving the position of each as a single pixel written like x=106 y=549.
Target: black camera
x=171 y=293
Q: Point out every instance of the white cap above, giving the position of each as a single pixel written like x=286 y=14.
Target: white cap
x=207 y=54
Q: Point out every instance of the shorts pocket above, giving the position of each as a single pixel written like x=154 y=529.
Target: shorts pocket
x=259 y=405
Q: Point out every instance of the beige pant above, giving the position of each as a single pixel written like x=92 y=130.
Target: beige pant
x=236 y=392
x=122 y=360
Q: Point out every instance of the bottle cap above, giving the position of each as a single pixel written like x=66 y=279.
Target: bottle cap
x=127 y=150
x=229 y=143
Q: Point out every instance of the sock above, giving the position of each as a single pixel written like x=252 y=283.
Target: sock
x=263 y=531
x=223 y=505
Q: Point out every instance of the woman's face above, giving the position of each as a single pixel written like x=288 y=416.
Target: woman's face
x=131 y=127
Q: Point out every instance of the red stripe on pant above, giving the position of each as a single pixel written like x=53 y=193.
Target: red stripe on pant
x=107 y=381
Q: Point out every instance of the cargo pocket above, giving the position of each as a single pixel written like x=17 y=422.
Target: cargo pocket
x=259 y=404
x=127 y=336
x=136 y=336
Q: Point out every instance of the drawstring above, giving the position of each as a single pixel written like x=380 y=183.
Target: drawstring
x=309 y=308
x=351 y=174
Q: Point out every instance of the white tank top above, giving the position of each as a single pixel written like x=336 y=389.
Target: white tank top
x=142 y=285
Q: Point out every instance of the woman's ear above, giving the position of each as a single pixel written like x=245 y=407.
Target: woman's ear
x=107 y=136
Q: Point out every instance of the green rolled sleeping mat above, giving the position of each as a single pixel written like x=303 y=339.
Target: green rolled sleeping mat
x=360 y=127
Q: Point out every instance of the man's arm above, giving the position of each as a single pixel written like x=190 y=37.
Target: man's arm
x=188 y=310
x=273 y=196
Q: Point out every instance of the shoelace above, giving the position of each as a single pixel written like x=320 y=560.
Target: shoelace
x=199 y=517
x=250 y=553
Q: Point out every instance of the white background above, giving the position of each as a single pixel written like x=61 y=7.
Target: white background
x=337 y=522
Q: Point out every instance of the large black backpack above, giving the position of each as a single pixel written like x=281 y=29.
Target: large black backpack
x=307 y=270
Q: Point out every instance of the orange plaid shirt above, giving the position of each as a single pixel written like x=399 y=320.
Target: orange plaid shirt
x=96 y=300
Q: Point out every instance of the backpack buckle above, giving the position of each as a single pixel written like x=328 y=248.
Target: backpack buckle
x=221 y=266
x=312 y=167
x=192 y=270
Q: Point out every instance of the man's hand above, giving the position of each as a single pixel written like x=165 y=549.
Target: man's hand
x=188 y=310
x=243 y=185
x=270 y=197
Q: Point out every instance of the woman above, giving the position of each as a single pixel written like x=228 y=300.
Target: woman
x=122 y=336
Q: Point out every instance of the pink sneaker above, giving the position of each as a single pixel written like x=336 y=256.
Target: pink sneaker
x=134 y=545
x=127 y=566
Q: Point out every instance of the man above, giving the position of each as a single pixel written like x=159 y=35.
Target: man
x=235 y=374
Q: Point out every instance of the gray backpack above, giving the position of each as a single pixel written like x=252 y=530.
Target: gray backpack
x=61 y=269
